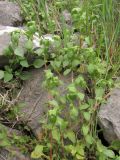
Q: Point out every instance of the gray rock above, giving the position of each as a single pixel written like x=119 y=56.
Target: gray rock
x=10 y=14
x=10 y=153
x=9 y=131
x=5 y=39
x=67 y=17
x=35 y=98
x=109 y=117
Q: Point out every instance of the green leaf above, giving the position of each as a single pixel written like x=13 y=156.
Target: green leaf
x=61 y=123
x=5 y=142
x=15 y=36
x=24 y=63
x=80 y=81
x=91 y=68
x=38 y=63
x=89 y=139
x=56 y=135
x=24 y=76
x=7 y=51
x=53 y=112
x=72 y=88
x=53 y=103
x=115 y=145
x=109 y=153
x=71 y=149
x=38 y=152
x=1 y=74
x=48 y=74
x=84 y=106
x=100 y=146
x=71 y=136
x=87 y=40
x=74 y=113
x=80 y=157
x=39 y=52
x=32 y=29
x=101 y=156
x=99 y=93
x=81 y=96
x=29 y=45
x=7 y=76
x=57 y=64
x=85 y=129
x=87 y=116
x=80 y=150
x=19 y=51
x=66 y=72
x=65 y=63
x=75 y=63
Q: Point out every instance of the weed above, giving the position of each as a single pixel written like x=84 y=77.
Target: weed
x=71 y=128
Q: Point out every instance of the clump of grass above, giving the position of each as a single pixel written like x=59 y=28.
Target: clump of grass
x=110 y=21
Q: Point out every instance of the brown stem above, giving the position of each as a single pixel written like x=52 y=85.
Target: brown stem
x=51 y=146
x=97 y=104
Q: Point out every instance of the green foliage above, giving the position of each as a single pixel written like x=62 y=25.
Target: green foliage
x=38 y=152
x=19 y=56
x=89 y=57
x=4 y=140
x=7 y=139
x=1 y=74
x=59 y=129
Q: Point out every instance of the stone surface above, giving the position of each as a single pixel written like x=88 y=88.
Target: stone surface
x=109 y=117
x=11 y=153
x=10 y=14
x=10 y=132
x=67 y=17
x=5 y=39
x=35 y=98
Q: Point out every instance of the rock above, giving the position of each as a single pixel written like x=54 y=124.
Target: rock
x=67 y=17
x=109 y=117
x=35 y=98
x=10 y=14
x=11 y=152
x=36 y=40
x=5 y=39
x=9 y=131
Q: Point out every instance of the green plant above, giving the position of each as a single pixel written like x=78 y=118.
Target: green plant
x=87 y=51
x=69 y=117
x=20 y=55
x=81 y=60
x=9 y=139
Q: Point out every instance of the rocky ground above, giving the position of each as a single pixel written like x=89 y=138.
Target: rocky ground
x=33 y=94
